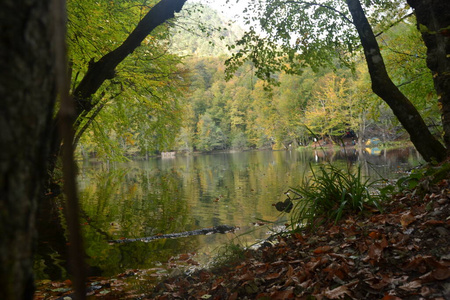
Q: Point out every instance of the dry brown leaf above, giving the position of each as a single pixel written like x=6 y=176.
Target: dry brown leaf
x=246 y=277
x=433 y=223
x=425 y=291
x=233 y=296
x=290 y=271
x=375 y=235
x=338 y=293
x=407 y=219
x=322 y=249
x=272 y=276
x=441 y=273
x=262 y=269
x=184 y=256
x=424 y=263
x=375 y=251
x=411 y=286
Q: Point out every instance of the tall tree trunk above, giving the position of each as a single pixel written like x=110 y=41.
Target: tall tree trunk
x=27 y=93
x=427 y=145
x=433 y=21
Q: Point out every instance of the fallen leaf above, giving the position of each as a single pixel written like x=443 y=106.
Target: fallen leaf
x=272 y=276
x=246 y=277
x=424 y=263
x=441 y=273
x=407 y=219
x=375 y=235
x=322 y=249
x=375 y=251
x=433 y=223
x=290 y=271
x=338 y=293
x=233 y=296
x=184 y=256
x=67 y=282
x=411 y=286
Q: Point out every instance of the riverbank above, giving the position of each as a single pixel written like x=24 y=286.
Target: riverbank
x=401 y=253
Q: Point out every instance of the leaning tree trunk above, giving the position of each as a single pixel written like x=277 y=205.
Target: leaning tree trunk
x=103 y=69
x=427 y=145
x=433 y=21
x=27 y=93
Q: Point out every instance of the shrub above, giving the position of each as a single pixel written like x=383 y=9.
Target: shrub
x=330 y=194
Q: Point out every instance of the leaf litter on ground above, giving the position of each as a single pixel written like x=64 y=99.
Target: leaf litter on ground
x=402 y=253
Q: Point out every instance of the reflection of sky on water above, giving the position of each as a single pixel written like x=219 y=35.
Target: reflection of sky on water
x=143 y=198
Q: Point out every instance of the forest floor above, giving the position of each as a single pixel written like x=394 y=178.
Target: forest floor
x=400 y=253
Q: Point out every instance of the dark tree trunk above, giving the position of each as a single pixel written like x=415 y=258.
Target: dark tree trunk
x=104 y=69
x=427 y=145
x=433 y=21
x=27 y=93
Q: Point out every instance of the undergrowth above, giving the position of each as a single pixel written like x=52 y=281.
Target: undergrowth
x=330 y=193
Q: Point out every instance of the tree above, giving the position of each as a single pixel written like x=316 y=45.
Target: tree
x=434 y=24
x=316 y=33
x=90 y=91
x=29 y=134
x=427 y=145
x=331 y=98
x=27 y=90
x=209 y=135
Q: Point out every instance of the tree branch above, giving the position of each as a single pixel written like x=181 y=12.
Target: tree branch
x=80 y=132
x=104 y=68
x=395 y=23
x=324 y=6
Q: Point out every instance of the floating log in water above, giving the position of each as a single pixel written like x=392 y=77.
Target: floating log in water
x=215 y=229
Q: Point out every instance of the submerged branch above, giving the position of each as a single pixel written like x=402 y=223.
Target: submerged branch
x=216 y=229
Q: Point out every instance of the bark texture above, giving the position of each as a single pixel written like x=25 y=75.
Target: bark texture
x=433 y=21
x=27 y=93
x=427 y=145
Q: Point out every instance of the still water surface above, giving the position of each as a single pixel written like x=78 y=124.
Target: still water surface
x=168 y=195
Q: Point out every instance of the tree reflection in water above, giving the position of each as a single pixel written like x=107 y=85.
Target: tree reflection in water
x=182 y=193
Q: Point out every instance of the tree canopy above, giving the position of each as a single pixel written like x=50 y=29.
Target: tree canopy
x=299 y=34
x=240 y=113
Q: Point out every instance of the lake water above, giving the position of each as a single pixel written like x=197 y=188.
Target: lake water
x=169 y=195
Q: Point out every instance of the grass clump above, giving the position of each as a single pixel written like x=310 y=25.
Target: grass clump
x=330 y=193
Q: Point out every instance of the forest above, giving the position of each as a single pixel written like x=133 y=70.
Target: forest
x=114 y=80
x=244 y=112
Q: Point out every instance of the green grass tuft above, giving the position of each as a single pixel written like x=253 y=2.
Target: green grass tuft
x=332 y=193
